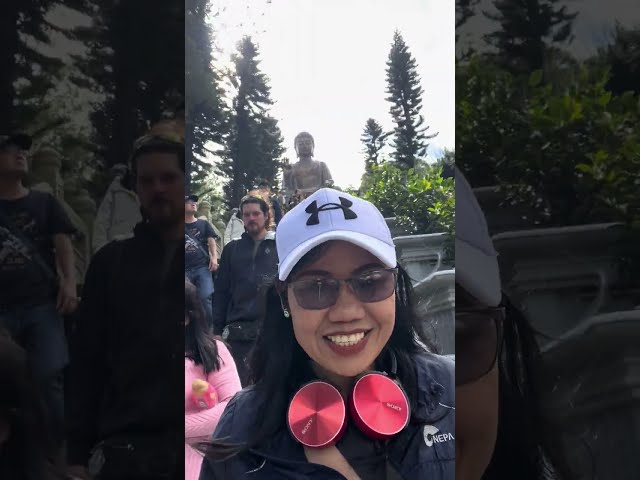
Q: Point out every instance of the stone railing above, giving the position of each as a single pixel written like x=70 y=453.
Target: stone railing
x=560 y=275
x=596 y=394
x=573 y=285
x=433 y=279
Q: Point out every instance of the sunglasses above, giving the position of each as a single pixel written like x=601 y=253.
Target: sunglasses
x=478 y=342
x=318 y=293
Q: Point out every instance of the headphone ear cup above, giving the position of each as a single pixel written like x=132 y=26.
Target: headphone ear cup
x=379 y=406
x=317 y=415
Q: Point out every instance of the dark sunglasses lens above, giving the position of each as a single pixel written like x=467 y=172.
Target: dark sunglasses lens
x=316 y=294
x=476 y=345
x=374 y=286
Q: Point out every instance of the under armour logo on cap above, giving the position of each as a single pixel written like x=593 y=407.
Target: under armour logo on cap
x=332 y=215
x=345 y=205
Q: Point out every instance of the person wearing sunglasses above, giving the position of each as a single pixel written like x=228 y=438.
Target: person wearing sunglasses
x=501 y=429
x=338 y=317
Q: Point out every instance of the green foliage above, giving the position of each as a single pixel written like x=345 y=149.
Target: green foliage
x=374 y=139
x=422 y=202
x=27 y=73
x=623 y=57
x=206 y=114
x=405 y=95
x=527 y=29
x=569 y=153
x=139 y=71
x=254 y=146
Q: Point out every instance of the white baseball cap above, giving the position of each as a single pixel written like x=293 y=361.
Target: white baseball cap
x=326 y=215
x=476 y=259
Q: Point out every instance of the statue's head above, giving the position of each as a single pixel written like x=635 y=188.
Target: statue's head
x=304 y=144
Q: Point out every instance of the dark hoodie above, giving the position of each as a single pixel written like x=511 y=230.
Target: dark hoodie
x=126 y=354
x=242 y=272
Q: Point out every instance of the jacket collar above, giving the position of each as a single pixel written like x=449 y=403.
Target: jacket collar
x=270 y=236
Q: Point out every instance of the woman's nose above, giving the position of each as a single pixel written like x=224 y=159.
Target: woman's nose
x=347 y=307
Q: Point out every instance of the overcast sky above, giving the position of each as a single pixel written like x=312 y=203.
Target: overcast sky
x=326 y=60
x=592 y=28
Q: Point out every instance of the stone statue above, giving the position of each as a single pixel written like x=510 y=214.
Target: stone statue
x=306 y=175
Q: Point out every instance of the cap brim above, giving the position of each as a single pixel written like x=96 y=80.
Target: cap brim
x=478 y=273
x=382 y=251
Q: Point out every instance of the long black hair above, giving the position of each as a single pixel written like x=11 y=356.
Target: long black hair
x=29 y=452
x=199 y=344
x=528 y=445
x=279 y=365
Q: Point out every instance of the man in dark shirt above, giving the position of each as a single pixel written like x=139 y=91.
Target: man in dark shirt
x=37 y=274
x=200 y=256
x=245 y=266
x=276 y=206
x=126 y=404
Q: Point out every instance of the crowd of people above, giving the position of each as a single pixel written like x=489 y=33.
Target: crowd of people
x=304 y=357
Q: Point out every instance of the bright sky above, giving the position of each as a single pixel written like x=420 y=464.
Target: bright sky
x=326 y=60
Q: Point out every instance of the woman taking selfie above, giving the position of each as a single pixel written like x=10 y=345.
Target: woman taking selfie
x=501 y=427
x=210 y=379
x=344 y=387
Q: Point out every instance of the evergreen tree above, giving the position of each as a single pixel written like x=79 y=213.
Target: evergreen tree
x=206 y=114
x=465 y=9
x=137 y=65
x=26 y=73
x=447 y=163
x=255 y=143
x=623 y=56
x=405 y=95
x=374 y=139
x=528 y=28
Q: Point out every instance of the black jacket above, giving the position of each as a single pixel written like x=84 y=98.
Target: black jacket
x=425 y=449
x=126 y=354
x=239 y=278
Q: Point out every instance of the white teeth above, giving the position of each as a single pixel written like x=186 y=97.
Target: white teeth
x=346 y=340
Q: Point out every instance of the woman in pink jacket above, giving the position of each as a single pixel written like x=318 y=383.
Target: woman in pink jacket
x=208 y=360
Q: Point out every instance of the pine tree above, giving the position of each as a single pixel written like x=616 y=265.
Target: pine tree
x=465 y=9
x=447 y=162
x=374 y=139
x=139 y=71
x=527 y=29
x=623 y=56
x=26 y=73
x=255 y=143
x=405 y=95
x=206 y=113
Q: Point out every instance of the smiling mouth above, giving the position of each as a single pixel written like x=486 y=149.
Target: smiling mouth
x=347 y=340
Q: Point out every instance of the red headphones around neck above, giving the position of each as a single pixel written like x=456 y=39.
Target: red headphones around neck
x=378 y=405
